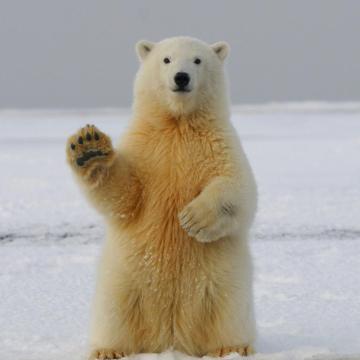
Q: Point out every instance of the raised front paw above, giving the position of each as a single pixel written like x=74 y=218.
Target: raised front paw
x=88 y=146
x=201 y=220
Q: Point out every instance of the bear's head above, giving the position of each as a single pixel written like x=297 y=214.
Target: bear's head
x=181 y=75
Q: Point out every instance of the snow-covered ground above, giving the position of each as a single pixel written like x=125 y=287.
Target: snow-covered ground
x=306 y=240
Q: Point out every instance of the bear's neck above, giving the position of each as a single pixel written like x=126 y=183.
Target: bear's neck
x=149 y=110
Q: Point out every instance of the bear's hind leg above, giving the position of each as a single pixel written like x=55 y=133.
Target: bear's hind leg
x=226 y=350
x=118 y=327
x=116 y=312
x=102 y=354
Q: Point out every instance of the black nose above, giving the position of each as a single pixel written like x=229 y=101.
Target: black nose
x=182 y=79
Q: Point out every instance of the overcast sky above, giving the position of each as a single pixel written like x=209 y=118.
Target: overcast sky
x=80 y=53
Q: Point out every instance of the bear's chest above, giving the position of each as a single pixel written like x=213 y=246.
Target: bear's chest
x=175 y=164
x=183 y=162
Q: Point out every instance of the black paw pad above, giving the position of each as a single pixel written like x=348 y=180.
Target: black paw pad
x=80 y=140
x=88 y=137
x=96 y=136
x=89 y=155
x=80 y=161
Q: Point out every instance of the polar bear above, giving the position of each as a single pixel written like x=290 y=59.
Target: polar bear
x=178 y=196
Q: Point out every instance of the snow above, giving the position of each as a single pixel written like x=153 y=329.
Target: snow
x=305 y=243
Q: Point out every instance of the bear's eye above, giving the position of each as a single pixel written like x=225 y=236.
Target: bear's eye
x=166 y=60
x=197 y=61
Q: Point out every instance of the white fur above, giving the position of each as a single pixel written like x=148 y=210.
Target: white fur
x=171 y=132
x=208 y=83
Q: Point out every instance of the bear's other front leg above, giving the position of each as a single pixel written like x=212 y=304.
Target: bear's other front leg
x=107 y=178
x=212 y=214
x=202 y=220
x=225 y=206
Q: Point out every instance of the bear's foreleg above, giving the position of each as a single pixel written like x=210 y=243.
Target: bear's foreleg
x=106 y=176
x=222 y=208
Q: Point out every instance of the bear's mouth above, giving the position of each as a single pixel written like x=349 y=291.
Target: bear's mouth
x=182 y=90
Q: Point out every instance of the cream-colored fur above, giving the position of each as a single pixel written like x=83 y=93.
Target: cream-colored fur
x=178 y=197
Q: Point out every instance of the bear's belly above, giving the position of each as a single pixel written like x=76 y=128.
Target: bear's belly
x=173 y=275
x=165 y=246
x=169 y=265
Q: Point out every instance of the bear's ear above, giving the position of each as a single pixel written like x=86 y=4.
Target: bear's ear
x=143 y=49
x=221 y=49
